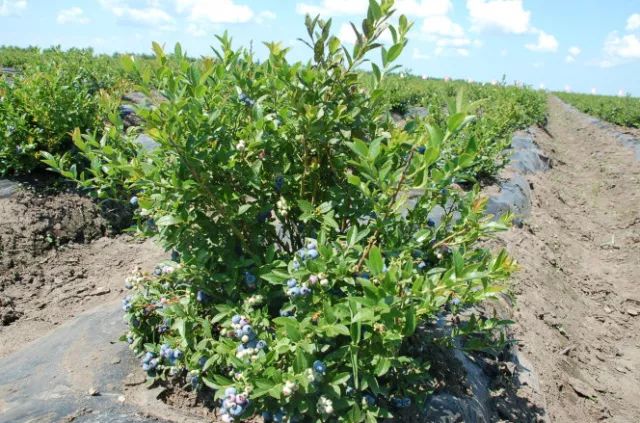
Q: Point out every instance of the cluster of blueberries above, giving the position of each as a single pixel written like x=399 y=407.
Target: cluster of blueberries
x=246 y=100
x=294 y=289
x=126 y=304
x=172 y=355
x=401 y=402
x=242 y=330
x=310 y=251
x=164 y=327
x=233 y=404
x=150 y=362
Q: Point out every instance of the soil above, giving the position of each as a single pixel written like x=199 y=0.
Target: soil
x=56 y=260
x=578 y=303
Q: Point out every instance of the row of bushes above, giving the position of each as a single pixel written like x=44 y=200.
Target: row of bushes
x=309 y=275
x=624 y=111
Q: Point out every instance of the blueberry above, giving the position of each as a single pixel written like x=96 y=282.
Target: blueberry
x=261 y=345
x=266 y=416
x=319 y=367
x=455 y=301
x=202 y=297
x=422 y=149
x=286 y=313
x=304 y=291
x=312 y=254
x=236 y=410
x=422 y=265
x=129 y=340
x=279 y=183
x=294 y=292
x=134 y=201
x=177 y=354
x=263 y=216
x=202 y=361
x=370 y=399
x=431 y=223
x=236 y=319
x=291 y=283
x=147 y=357
x=175 y=256
x=231 y=391
x=145 y=367
x=168 y=353
x=349 y=390
x=247 y=330
x=195 y=381
x=296 y=265
x=249 y=279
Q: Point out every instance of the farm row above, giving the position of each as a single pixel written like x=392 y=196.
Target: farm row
x=623 y=111
x=303 y=281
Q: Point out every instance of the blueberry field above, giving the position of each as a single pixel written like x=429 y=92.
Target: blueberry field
x=337 y=239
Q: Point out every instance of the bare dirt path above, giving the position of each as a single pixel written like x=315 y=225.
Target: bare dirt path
x=578 y=291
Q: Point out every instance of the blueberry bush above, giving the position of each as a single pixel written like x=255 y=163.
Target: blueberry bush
x=624 y=111
x=308 y=267
x=53 y=93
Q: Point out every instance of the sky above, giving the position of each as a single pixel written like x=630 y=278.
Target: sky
x=588 y=46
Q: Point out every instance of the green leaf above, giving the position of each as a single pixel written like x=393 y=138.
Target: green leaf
x=169 y=220
x=374 y=261
x=410 y=321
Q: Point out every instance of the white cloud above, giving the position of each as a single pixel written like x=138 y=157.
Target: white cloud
x=506 y=16
x=419 y=55
x=12 y=7
x=625 y=47
x=441 y=26
x=575 y=51
x=264 y=16
x=423 y=8
x=196 y=30
x=346 y=34
x=72 y=15
x=415 y=8
x=633 y=22
x=572 y=54
x=151 y=14
x=220 y=11
x=545 y=43
x=329 y=8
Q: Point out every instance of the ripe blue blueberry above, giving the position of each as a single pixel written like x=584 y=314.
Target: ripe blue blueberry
x=177 y=354
x=294 y=292
x=134 y=201
x=231 y=391
x=291 y=283
x=195 y=381
x=319 y=367
x=261 y=345
x=455 y=301
x=249 y=279
x=202 y=297
x=236 y=319
x=129 y=340
x=202 y=361
x=279 y=183
x=312 y=254
x=370 y=399
x=431 y=223
x=304 y=291
x=422 y=149
x=175 y=256
x=247 y=330
x=236 y=410
x=286 y=313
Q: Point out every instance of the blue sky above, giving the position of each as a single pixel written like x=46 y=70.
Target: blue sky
x=581 y=45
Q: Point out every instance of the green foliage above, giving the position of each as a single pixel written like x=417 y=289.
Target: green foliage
x=624 y=111
x=504 y=109
x=308 y=273
x=54 y=93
